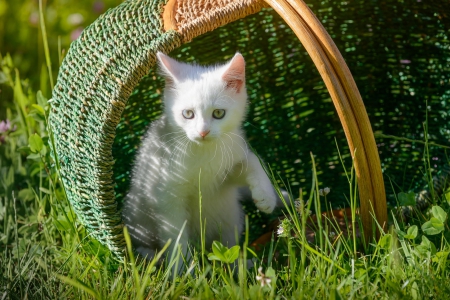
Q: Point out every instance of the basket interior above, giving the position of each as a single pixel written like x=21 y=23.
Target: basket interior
x=399 y=55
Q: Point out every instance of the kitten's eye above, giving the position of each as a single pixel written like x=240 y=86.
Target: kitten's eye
x=188 y=114
x=218 y=113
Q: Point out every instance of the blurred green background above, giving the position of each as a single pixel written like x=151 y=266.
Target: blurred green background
x=21 y=36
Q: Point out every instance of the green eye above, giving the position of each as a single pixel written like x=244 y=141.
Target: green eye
x=188 y=114
x=218 y=113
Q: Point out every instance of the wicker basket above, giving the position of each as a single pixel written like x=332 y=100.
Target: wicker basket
x=103 y=69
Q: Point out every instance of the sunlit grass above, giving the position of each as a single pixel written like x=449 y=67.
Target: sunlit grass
x=46 y=253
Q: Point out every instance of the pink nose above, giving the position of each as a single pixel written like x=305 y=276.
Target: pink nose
x=204 y=133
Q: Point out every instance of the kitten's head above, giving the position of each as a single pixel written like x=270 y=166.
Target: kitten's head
x=205 y=102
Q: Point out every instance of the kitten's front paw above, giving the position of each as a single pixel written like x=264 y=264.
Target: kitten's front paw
x=264 y=199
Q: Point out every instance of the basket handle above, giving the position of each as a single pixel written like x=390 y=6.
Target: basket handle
x=349 y=106
x=331 y=66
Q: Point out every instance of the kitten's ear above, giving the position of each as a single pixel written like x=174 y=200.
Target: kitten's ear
x=234 y=74
x=170 y=68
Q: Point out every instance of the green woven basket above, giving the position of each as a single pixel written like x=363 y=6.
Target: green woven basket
x=108 y=92
x=106 y=63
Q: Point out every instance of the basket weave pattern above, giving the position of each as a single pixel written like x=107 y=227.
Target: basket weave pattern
x=103 y=67
x=192 y=18
x=94 y=83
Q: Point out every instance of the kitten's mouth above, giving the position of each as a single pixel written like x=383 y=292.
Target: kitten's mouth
x=200 y=140
x=203 y=140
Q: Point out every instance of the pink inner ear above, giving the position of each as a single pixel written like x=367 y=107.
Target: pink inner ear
x=234 y=76
x=234 y=84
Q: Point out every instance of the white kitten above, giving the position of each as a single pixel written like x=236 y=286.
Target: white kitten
x=197 y=146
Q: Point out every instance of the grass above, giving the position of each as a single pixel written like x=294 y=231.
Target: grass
x=46 y=253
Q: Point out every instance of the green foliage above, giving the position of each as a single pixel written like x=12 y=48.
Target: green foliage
x=436 y=224
x=45 y=253
x=407 y=199
x=432 y=227
x=412 y=232
x=223 y=254
x=36 y=144
x=439 y=213
x=21 y=36
x=31 y=197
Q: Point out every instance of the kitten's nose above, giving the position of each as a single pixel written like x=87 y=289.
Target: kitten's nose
x=204 y=133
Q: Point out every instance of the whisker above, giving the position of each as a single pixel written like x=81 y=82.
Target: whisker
x=231 y=156
x=164 y=143
x=187 y=142
x=171 y=147
x=190 y=147
x=215 y=152
x=245 y=153
x=172 y=152
x=243 y=150
x=182 y=148
x=178 y=150
x=239 y=136
x=221 y=151
x=226 y=152
x=228 y=164
x=231 y=161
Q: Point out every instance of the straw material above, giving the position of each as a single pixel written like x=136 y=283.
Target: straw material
x=192 y=18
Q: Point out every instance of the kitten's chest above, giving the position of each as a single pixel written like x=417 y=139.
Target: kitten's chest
x=206 y=166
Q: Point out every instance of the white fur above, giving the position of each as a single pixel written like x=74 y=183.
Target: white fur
x=175 y=164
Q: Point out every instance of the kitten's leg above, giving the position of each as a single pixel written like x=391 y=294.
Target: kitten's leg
x=171 y=224
x=262 y=190
x=229 y=215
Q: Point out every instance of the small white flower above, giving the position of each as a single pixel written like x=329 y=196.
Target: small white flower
x=285 y=227
x=280 y=230
x=332 y=234
x=261 y=277
x=324 y=192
